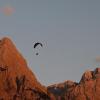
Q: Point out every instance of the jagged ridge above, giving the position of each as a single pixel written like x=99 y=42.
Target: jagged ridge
x=87 y=89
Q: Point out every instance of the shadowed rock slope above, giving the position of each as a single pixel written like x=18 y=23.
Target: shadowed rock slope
x=87 y=89
x=17 y=82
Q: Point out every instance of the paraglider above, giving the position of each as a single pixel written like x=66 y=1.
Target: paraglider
x=36 y=44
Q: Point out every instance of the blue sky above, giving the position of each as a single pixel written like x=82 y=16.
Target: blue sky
x=68 y=29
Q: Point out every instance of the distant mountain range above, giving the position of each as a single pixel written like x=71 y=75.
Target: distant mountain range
x=17 y=82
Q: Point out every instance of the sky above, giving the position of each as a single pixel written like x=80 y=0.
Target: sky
x=68 y=29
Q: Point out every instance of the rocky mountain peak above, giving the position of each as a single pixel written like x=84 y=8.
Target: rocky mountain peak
x=17 y=82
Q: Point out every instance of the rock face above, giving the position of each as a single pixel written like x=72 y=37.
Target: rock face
x=87 y=89
x=17 y=82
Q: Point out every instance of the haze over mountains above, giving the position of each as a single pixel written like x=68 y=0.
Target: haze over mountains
x=18 y=82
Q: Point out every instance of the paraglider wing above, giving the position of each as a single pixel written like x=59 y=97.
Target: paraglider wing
x=36 y=44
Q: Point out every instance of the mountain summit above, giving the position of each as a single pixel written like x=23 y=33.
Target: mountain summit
x=17 y=82
x=87 y=89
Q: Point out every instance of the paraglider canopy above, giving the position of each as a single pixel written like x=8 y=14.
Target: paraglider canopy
x=36 y=44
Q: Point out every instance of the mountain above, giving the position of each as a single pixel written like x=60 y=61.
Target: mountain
x=17 y=82
x=87 y=89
